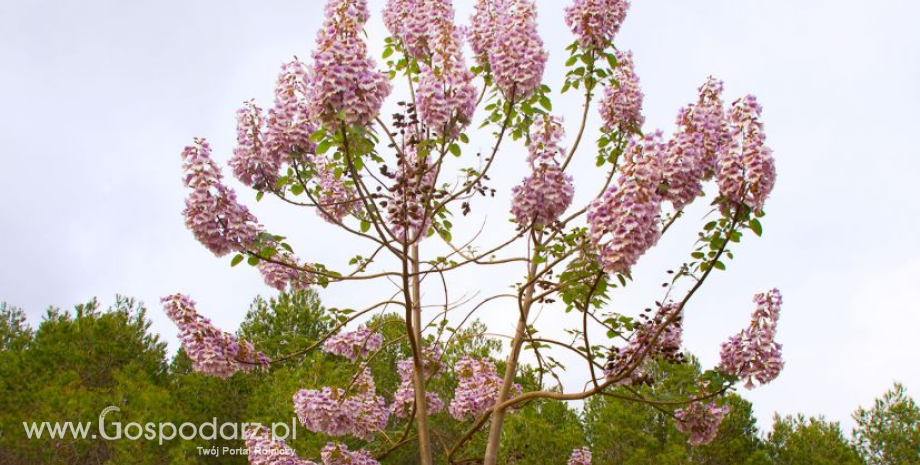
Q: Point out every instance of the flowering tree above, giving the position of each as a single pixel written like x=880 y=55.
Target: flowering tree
x=323 y=145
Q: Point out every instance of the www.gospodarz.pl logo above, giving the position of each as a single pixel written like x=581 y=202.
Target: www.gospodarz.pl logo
x=134 y=431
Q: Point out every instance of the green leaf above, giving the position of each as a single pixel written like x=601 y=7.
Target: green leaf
x=253 y=260
x=237 y=260
x=756 y=227
x=365 y=226
x=455 y=149
x=323 y=147
x=546 y=103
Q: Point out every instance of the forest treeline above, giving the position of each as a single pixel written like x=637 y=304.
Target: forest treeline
x=78 y=362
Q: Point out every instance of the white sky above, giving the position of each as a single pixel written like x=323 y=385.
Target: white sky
x=100 y=97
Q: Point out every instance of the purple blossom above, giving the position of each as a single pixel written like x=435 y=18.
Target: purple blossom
x=266 y=450
x=753 y=354
x=253 y=164
x=404 y=397
x=344 y=83
x=682 y=169
x=547 y=192
x=707 y=119
x=596 y=22
x=338 y=454
x=623 y=222
x=334 y=412
x=336 y=199
x=212 y=212
x=409 y=21
x=621 y=105
x=484 y=27
x=746 y=173
x=212 y=351
x=700 y=421
x=289 y=126
x=353 y=344
x=477 y=388
x=517 y=56
x=290 y=274
x=580 y=457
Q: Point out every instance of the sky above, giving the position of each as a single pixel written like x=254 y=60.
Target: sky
x=100 y=97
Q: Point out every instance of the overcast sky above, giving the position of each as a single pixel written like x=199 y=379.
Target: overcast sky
x=99 y=97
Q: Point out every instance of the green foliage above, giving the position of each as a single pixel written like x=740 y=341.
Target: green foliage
x=815 y=441
x=889 y=432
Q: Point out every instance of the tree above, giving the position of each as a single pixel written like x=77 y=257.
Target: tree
x=889 y=432
x=71 y=368
x=399 y=185
x=796 y=440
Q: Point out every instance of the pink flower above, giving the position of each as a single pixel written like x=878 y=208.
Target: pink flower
x=404 y=397
x=253 y=164
x=212 y=212
x=753 y=354
x=212 y=351
x=580 y=457
x=266 y=450
x=354 y=344
x=487 y=15
x=343 y=81
x=621 y=105
x=291 y=274
x=547 y=192
x=289 y=126
x=336 y=198
x=517 y=56
x=700 y=421
x=338 y=454
x=623 y=223
x=477 y=388
x=746 y=173
x=334 y=412
x=596 y=22
x=707 y=119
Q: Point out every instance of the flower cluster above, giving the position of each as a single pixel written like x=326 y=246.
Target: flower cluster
x=478 y=387
x=623 y=223
x=409 y=22
x=707 y=119
x=332 y=411
x=643 y=344
x=288 y=125
x=338 y=454
x=746 y=173
x=682 y=169
x=344 y=83
x=700 y=421
x=408 y=204
x=335 y=199
x=354 y=344
x=483 y=28
x=404 y=398
x=621 y=105
x=580 y=457
x=266 y=450
x=253 y=164
x=596 y=22
x=516 y=54
x=212 y=212
x=753 y=354
x=290 y=274
x=547 y=192
x=212 y=351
